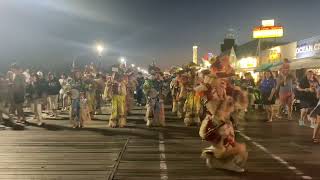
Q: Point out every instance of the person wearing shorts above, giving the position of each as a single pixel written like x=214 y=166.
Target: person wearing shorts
x=267 y=89
x=315 y=114
x=285 y=83
x=307 y=95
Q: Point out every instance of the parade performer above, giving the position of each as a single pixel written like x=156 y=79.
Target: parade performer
x=85 y=114
x=131 y=87
x=182 y=94
x=91 y=87
x=155 y=105
x=77 y=86
x=116 y=89
x=174 y=87
x=220 y=103
x=192 y=103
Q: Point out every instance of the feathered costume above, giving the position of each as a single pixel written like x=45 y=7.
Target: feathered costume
x=77 y=87
x=222 y=104
x=155 y=100
x=116 y=90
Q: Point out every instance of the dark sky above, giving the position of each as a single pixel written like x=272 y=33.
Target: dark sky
x=52 y=33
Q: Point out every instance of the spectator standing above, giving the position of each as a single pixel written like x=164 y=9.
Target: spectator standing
x=54 y=88
x=36 y=90
x=307 y=95
x=267 y=89
x=3 y=97
x=285 y=84
x=63 y=97
x=18 y=88
x=315 y=114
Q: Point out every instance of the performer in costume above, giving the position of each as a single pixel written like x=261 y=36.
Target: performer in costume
x=91 y=87
x=174 y=87
x=77 y=86
x=192 y=103
x=131 y=87
x=85 y=114
x=116 y=90
x=217 y=128
x=182 y=94
x=155 y=100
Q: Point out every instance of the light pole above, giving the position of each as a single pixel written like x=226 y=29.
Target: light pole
x=99 y=49
x=123 y=61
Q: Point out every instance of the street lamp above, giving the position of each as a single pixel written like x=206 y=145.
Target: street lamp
x=138 y=68
x=99 y=49
x=132 y=65
x=123 y=61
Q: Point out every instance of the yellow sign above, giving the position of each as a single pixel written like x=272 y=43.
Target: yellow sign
x=267 y=32
x=275 y=54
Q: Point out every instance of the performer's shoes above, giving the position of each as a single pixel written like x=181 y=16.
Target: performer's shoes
x=188 y=121
x=122 y=122
x=40 y=123
x=112 y=124
x=149 y=122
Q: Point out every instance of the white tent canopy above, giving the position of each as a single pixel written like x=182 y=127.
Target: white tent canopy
x=301 y=63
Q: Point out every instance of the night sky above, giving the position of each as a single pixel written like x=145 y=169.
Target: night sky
x=52 y=33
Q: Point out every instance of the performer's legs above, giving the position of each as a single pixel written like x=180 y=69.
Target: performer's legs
x=180 y=108
x=114 y=112
x=174 y=106
x=121 y=111
x=162 y=114
x=150 y=112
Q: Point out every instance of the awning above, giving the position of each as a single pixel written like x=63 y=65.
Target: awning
x=263 y=67
x=301 y=63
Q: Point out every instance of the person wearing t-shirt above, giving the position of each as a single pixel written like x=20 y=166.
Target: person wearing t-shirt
x=267 y=89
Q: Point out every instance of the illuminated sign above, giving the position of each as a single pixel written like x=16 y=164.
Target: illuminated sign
x=195 y=54
x=269 y=22
x=248 y=62
x=275 y=54
x=308 y=48
x=267 y=32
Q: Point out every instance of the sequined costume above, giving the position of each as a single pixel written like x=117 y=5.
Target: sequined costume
x=77 y=86
x=155 y=105
x=116 y=90
x=222 y=103
x=174 y=87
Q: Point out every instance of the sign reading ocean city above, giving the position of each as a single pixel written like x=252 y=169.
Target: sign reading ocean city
x=267 y=30
x=308 y=48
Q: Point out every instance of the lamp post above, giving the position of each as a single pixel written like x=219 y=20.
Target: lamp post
x=99 y=49
x=123 y=61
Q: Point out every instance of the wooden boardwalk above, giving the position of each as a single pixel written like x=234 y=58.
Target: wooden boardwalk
x=281 y=150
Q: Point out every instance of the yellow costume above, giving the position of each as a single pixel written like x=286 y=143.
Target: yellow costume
x=192 y=108
x=116 y=90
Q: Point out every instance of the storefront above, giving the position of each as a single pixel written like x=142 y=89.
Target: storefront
x=274 y=56
x=247 y=64
x=306 y=55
